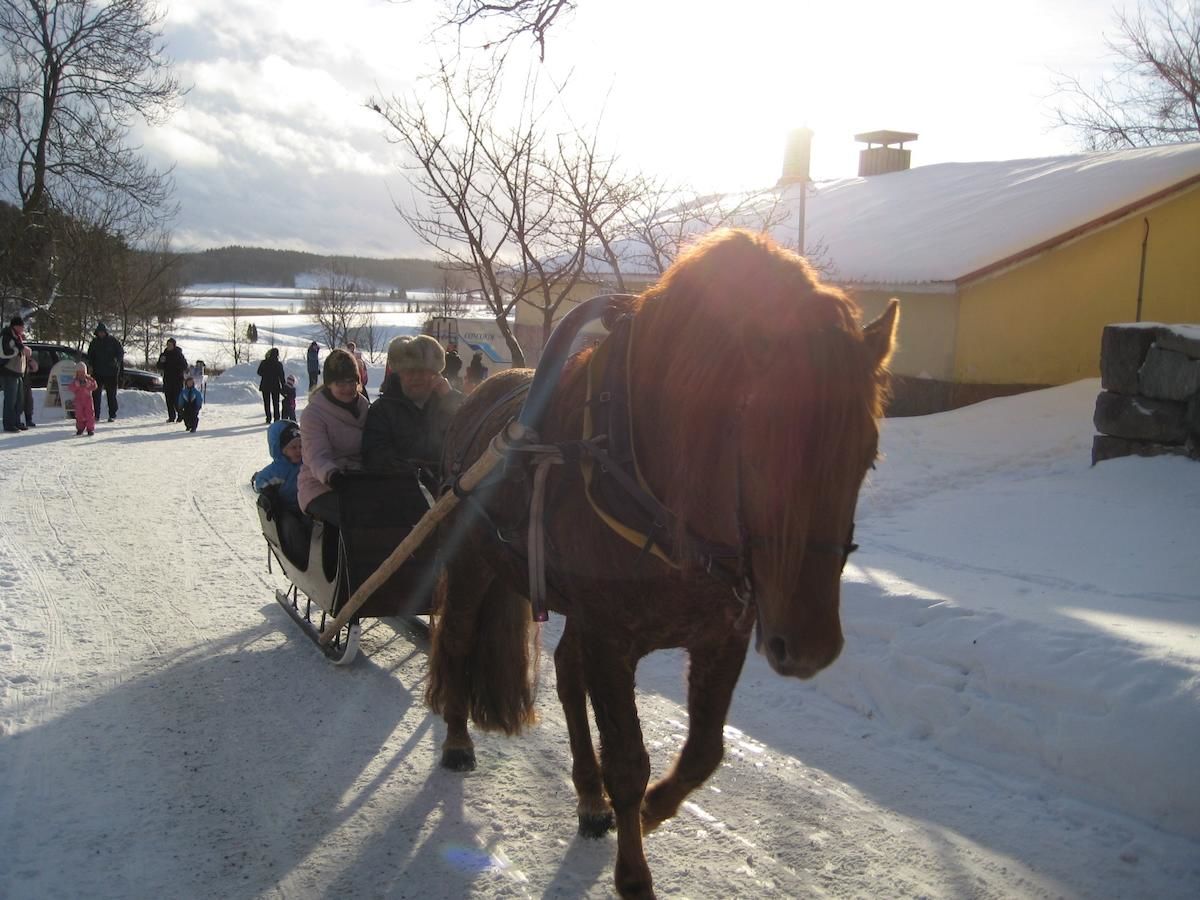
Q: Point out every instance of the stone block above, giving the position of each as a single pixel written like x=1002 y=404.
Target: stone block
x=1168 y=375
x=1123 y=349
x=1106 y=446
x=1140 y=418
x=1183 y=339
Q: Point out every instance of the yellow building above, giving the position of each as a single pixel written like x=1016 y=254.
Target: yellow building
x=1007 y=271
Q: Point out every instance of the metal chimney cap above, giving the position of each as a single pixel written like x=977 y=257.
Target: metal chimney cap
x=885 y=137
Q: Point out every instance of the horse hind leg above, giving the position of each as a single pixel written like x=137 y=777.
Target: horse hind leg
x=595 y=814
x=712 y=675
x=451 y=641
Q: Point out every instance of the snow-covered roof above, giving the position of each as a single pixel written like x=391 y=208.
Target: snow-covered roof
x=942 y=223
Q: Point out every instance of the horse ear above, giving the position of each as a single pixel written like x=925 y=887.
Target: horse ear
x=880 y=335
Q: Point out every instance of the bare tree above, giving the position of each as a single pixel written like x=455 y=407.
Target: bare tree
x=1154 y=96
x=336 y=307
x=367 y=335
x=235 y=335
x=510 y=207
x=449 y=297
x=77 y=75
x=516 y=18
x=457 y=167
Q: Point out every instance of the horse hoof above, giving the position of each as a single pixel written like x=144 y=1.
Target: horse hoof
x=595 y=825
x=459 y=760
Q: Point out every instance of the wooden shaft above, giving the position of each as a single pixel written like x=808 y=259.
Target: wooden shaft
x=495 y=452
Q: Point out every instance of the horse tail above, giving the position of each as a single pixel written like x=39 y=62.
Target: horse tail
x=484 y=652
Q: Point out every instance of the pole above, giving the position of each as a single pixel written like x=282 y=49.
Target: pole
x=1142 y=271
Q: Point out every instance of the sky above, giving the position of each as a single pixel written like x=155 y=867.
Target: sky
x=274 y=145
x=1015 y=713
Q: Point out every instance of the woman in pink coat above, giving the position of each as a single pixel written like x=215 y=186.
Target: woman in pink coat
x=82 y=386
x=331 y=430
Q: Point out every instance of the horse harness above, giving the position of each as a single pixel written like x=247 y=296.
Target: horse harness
x=615 y=488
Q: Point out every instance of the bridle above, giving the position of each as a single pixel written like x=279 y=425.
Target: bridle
x=741 y=580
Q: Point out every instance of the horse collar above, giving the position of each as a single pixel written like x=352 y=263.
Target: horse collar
x=614 y=485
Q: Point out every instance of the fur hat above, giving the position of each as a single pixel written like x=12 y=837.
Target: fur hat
x=339 y=366
x=420 y=352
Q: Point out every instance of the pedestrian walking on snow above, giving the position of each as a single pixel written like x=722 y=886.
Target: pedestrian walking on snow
x=271 y=382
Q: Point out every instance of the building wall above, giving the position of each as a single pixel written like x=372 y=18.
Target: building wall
x=1039 y=322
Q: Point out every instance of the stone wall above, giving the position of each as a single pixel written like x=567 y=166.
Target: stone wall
x=1150 y=405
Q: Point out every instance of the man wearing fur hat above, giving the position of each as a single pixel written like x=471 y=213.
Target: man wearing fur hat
x=406 y=425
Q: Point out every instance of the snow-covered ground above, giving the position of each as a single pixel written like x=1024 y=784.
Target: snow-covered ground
x=1016 y=712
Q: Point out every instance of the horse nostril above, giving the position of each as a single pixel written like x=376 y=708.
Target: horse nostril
x=777 y=647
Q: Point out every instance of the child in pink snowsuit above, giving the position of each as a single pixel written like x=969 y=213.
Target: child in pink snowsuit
x=82 y=386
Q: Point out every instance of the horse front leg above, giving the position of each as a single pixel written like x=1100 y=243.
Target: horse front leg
x=595 y=815
x=713 y=672
x=609 y=676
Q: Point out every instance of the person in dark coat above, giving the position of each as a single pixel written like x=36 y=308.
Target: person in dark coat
x=107 y=357
x=405 y=427
x=271 y=375
x=174 y=366
x=15 y=357
x=453 y=367
x=476 y=372
x=314 y=364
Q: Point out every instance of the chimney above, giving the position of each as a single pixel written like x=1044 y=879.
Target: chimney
x=884 y=158
x=795 y=157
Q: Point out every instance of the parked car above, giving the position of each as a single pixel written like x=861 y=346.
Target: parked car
x=49 y=354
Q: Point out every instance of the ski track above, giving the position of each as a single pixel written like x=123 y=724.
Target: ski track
x=187 y=740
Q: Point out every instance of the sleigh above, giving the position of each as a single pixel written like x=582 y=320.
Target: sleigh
x=326 y=564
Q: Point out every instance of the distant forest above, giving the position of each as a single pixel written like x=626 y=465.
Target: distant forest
x=280 y=268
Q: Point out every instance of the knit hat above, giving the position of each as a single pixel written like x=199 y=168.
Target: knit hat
x=288 y=434
x=339 y=366
x=100 y=328
x=291 y=380
x=16 y=322
x=420 y=352
x=81 y=366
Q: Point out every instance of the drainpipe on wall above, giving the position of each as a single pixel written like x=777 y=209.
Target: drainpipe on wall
x=1142 y=271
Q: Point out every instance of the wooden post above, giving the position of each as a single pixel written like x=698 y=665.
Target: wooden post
x=514 y=433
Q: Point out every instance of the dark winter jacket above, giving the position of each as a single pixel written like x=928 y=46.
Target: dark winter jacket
x=12 y=357
x=271 y=374
x=105 y=353
x=173 y=364
x=399 y=434
x=314 y=358
x=282 y=471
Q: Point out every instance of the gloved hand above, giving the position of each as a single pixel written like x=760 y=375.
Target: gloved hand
x=337 y=478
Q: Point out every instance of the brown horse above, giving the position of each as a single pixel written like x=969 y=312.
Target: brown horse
x=754 y=394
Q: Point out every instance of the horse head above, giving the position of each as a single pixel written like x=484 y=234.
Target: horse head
x=762 y=425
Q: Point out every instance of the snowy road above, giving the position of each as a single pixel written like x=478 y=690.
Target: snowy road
x=165 y=732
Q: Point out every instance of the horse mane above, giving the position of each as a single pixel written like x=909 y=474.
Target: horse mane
x=741 y=341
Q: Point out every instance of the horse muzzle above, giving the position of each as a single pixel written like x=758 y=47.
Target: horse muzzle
x=799 y=656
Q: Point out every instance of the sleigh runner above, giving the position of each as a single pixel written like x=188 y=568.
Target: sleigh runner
x=327 y=564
